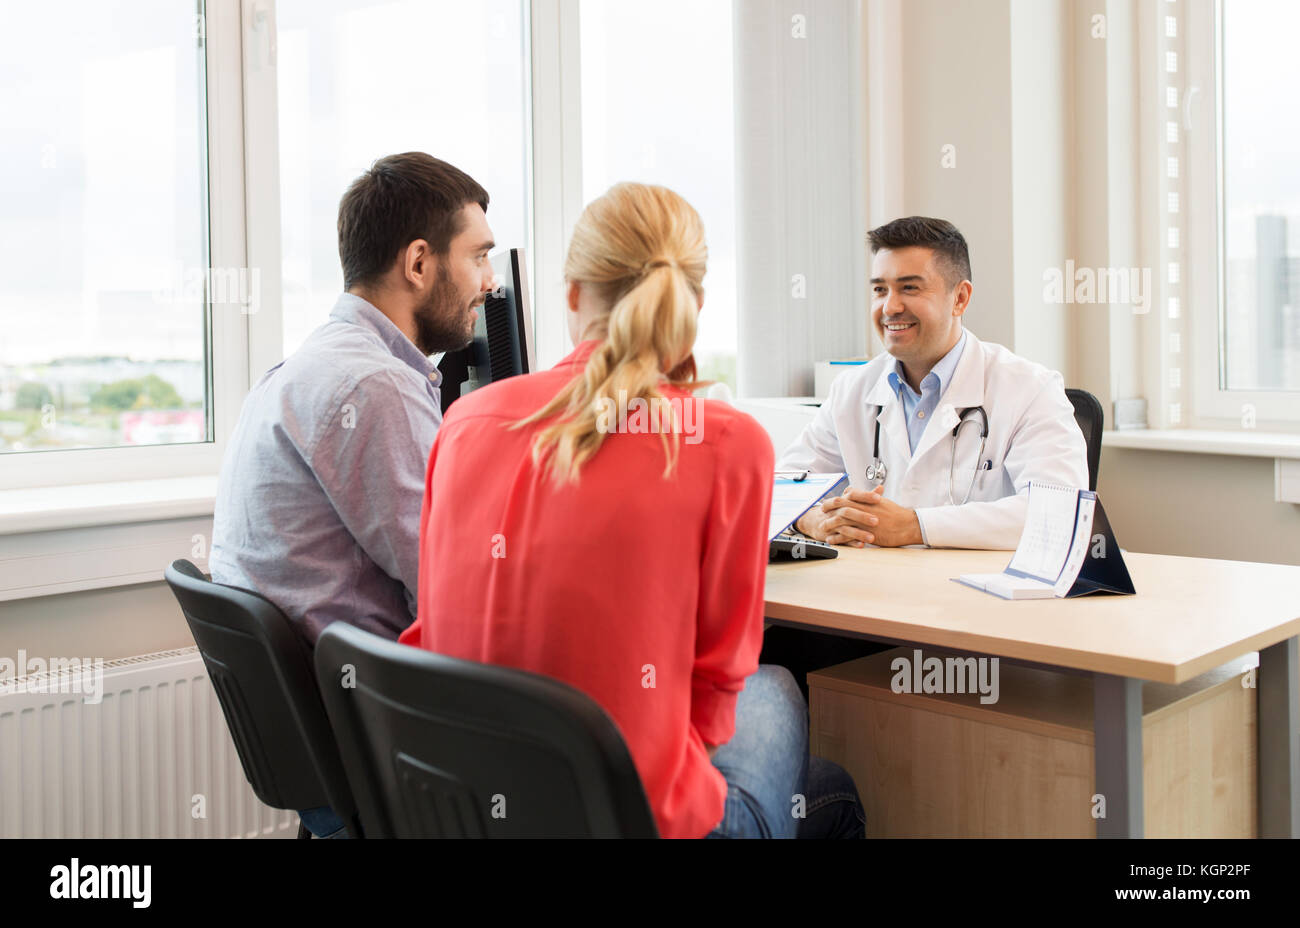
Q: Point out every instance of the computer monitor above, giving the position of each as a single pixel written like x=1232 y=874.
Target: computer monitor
x=503 y=335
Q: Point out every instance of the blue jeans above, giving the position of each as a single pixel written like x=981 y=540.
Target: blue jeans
x=323 y=823
x=774 y=788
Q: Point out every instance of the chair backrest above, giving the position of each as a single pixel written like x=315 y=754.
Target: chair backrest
x=1088 y=413
x=262 y=672
x=439 y=747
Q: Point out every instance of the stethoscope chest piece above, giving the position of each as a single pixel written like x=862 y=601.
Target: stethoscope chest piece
x=876 y=469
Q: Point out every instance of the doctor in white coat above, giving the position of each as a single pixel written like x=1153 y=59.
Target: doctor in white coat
x=942 y=433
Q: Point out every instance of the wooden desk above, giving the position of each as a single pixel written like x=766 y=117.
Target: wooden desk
x=1189 y=616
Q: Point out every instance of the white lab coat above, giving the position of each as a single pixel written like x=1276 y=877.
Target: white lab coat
x=1032 y=436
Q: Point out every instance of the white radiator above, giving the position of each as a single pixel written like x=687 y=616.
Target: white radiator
x=153 y=759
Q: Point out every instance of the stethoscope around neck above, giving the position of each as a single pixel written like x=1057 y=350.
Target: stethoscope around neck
x=876 y=470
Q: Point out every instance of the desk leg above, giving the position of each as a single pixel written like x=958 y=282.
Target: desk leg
x=1278 y=691
x=1117 y=727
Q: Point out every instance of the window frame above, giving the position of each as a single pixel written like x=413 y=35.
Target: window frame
x=1214 y=406
x=550 y=88
x=555 y=173
x=227 y=329
x=243 y=212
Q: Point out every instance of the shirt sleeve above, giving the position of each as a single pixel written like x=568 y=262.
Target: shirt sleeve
x=729 y=625
x=1046 y=446
x=817 y=449
x=415 y=632
x=370 y=461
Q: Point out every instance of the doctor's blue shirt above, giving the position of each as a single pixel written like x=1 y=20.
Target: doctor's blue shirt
x=919 y=407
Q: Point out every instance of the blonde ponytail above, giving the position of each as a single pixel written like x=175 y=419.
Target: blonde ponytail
x=641 y=249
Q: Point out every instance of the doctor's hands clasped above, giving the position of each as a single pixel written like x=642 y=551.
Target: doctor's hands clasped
x=861 y=517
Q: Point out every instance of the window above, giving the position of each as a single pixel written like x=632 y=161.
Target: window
x=1238 y=235
x=360 y=79
x=104 y=264
x=172 y=173
x=657 y=107
x=1261 y=198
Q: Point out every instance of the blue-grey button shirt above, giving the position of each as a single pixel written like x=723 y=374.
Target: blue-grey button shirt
x=318 y=502
x=919 y=407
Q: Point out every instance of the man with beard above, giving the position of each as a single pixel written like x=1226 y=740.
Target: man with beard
x=318 y=504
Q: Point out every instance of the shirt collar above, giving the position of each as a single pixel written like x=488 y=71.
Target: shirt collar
x=579 y=355
x=353 y=310
x=941 y=372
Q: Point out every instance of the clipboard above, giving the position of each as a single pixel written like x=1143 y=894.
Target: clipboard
x=794 y=495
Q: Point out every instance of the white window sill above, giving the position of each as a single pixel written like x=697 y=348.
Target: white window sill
x=64 y=539
x=1205 y=441
x=47 y=509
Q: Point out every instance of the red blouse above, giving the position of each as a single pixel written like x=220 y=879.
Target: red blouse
x=643 y=592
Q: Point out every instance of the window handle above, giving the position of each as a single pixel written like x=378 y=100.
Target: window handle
x=1188 y=97
x=263 y=23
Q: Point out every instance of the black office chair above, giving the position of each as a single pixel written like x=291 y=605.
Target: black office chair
x=1088 y=413
x=439 y=747
x=263 y=675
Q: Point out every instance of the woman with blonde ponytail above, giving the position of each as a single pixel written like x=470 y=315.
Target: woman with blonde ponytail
x=637 y=296
x=599 y=524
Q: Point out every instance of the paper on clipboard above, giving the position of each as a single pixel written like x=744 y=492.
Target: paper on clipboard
x=791 y=497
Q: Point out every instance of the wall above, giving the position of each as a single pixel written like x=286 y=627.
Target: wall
x=954 y=89
x=1042 y=165
x=1198 y=505
x=985 y=107
x=109 y=623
